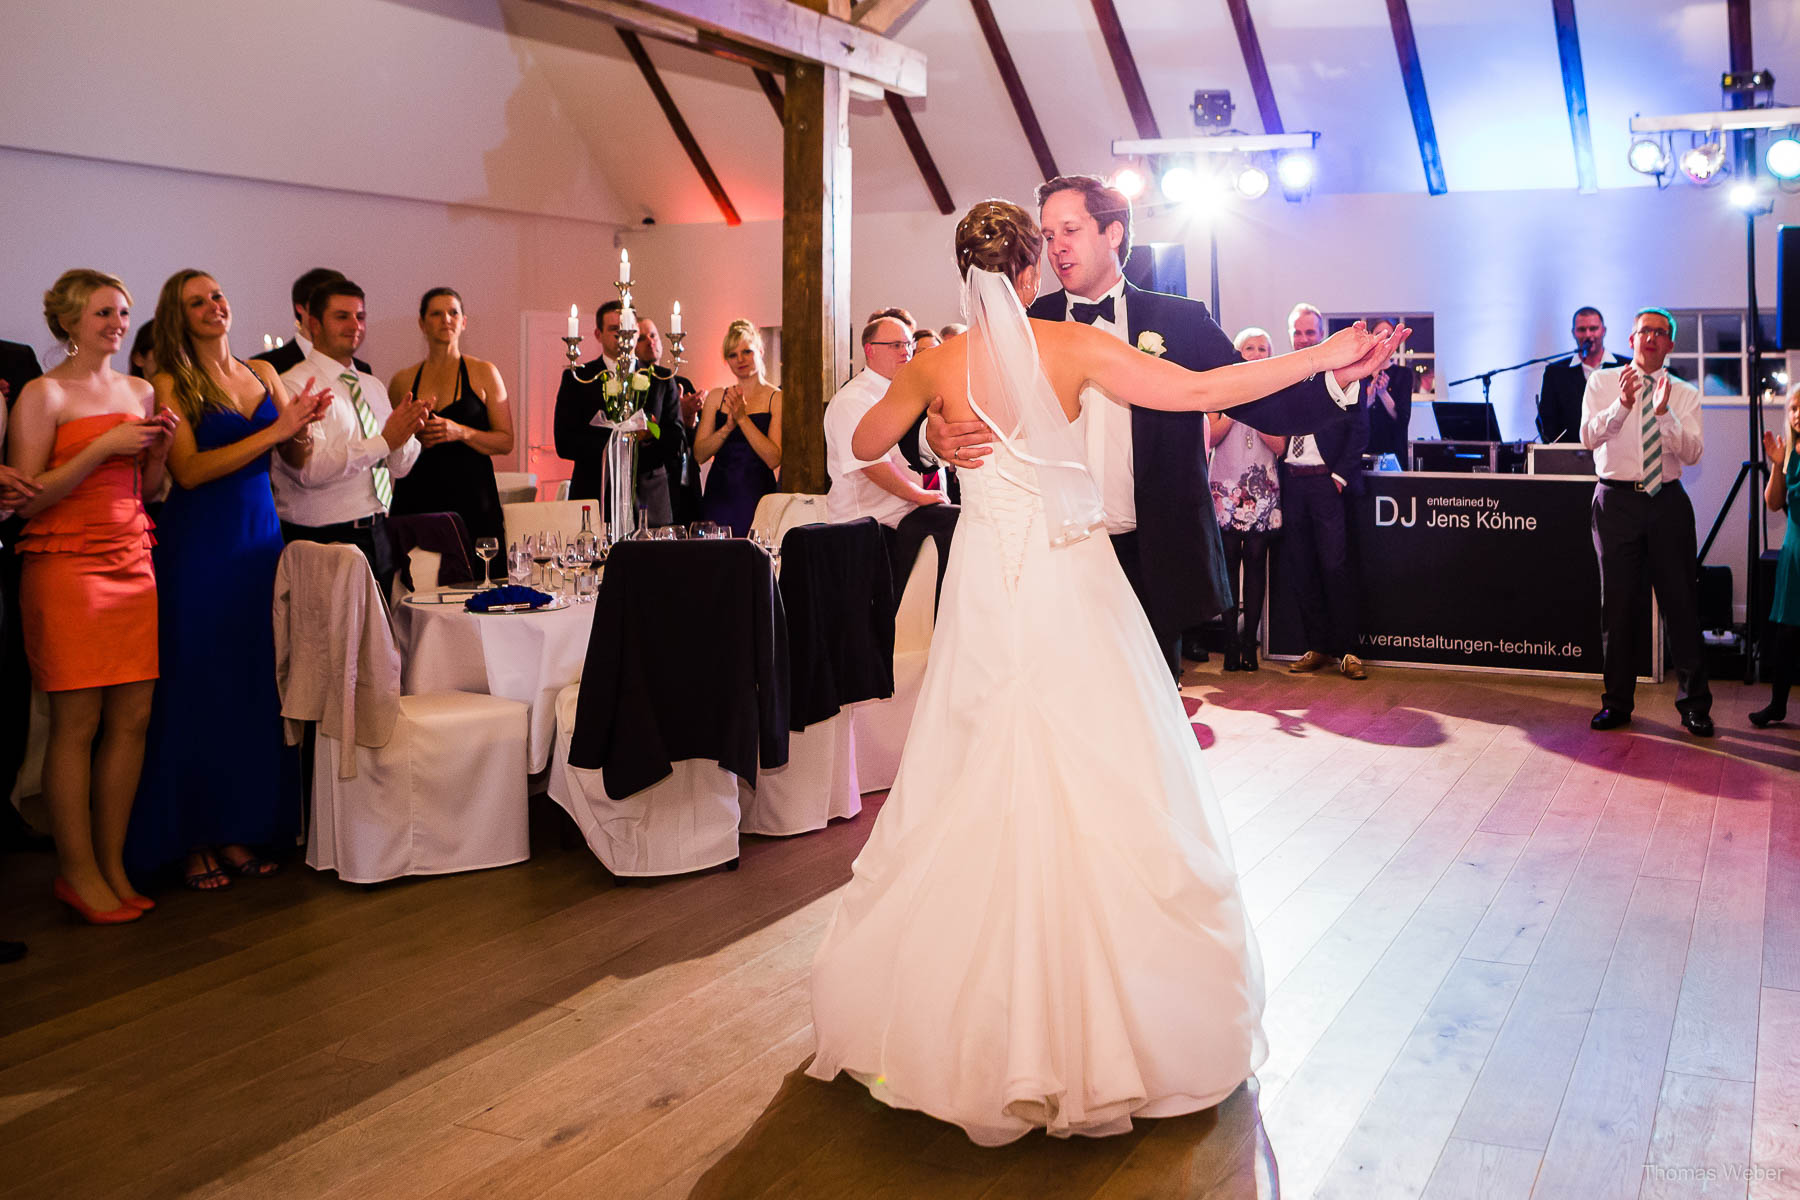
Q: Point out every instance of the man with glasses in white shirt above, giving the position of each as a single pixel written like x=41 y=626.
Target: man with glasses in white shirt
x=1643 y=426
x=886 y=488
x=360 y=446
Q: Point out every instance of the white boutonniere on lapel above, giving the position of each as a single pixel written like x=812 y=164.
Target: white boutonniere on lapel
x=1151 y=343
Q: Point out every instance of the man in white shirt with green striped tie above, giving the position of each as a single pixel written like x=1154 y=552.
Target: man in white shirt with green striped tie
x=1643 y=426
x=360 y=446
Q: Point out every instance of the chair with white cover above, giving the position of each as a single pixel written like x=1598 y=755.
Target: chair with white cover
x=687 y=822
x=778 y=512
x=402 y=785
x=516 y=487
x=882 y=725
x=548 y=516
x=817 y=785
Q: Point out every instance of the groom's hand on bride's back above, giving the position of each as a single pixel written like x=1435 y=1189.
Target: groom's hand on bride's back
x=960 y=444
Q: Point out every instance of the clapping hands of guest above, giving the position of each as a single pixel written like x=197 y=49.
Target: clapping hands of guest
x=407 y=419
x=303 y=411
x=1775 y=446
x=733 y=406
x=438 y=431
x=132 y=438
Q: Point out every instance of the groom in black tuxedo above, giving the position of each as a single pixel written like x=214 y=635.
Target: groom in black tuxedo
x=1152 y=464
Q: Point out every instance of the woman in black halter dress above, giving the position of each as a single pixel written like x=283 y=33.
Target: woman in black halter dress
x=469 y=424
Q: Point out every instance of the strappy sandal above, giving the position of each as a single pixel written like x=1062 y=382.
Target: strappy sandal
x=252 y=867
x=210 y=879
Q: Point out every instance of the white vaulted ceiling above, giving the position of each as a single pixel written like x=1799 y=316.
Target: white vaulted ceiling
x=528 y=106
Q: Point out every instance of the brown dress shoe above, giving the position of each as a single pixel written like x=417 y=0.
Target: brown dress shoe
x=1307 y=663
x=1352 y=667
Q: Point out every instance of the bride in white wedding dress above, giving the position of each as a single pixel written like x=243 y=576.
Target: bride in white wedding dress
x=1044 y=929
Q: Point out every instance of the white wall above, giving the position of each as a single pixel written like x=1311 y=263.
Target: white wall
x=145 y=223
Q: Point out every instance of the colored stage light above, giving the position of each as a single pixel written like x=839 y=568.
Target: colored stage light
x=1703 y=163
x=1252 y=182
x=1783 y=158
x=1648 y=157
x=1130 y=182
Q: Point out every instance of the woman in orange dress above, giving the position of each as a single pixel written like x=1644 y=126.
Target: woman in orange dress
x=87 y=594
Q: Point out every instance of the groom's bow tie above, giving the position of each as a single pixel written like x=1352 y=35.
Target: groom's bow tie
x=1087 y=313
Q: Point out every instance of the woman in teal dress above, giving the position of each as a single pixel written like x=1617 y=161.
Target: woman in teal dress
x=218 y=781
x=1783 y=642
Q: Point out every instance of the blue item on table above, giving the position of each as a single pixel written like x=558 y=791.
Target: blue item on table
x=502 y=597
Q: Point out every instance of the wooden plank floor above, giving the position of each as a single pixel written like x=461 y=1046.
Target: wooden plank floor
x=1507 y=957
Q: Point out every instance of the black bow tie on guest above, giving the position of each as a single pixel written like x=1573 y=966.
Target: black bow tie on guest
x=1087 y=313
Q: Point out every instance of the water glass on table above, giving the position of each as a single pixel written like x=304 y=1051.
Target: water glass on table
x=518 y=562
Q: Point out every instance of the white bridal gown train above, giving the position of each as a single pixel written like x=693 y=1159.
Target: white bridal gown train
x=1045 y=928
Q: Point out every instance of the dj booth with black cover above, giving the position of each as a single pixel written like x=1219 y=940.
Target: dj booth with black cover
x=1472 y=572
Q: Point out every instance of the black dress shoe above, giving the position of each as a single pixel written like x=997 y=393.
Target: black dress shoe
x=1610 y=718
x=1697 y=723
x=1231 y=657
x=1762 y=718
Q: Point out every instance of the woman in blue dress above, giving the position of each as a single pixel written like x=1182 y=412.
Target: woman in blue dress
x=740 y=431
x=1782 y=492
x=217 y=780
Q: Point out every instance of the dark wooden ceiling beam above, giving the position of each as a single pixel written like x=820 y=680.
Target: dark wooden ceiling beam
x=792 y=31
x=1568 y=49
x=879 y=16
x=915 y=142
x=1136 y=98
x=1413 y=75
x=1254 y=63
x=772 y=89
x=635 y=47
x=1015 y=87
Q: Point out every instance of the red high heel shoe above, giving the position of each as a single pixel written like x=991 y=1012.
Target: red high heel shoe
x=69 y=896
x=141 y=903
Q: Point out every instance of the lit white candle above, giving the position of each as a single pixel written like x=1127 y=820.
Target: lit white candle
x=624 y=266
x=280 y=342
x=574 y=321
x=268 y=342
x=675 y=319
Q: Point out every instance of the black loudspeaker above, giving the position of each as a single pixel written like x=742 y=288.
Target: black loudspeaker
x=1787 y=286
x=1715 y=597
x=1158 y=267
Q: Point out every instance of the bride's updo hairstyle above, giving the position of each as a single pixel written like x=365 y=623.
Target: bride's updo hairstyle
x=997 y=236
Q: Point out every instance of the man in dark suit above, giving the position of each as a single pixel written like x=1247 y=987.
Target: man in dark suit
x=1321 y=476
x=1559 y=399
x=1150 y=465
x=292 y=352
x=678 y=456
x=583 y=443
x=18 y=367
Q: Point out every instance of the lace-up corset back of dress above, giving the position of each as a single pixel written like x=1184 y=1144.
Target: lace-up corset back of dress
x=1003 y=495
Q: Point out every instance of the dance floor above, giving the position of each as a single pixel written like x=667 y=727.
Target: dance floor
x=1504 y=953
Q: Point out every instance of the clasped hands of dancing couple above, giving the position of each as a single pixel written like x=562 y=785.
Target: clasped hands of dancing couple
x=1045 y=929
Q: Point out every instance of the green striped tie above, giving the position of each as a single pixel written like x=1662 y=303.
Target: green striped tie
x=365 y=421
x=1652 y=477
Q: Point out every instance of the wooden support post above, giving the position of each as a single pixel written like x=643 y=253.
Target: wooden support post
x=815 y=262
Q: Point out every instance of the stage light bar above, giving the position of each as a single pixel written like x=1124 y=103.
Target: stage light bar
x=1783 y=158
x=1252 y=182
x=1702 y=163
x=1130 y=181
x=1296 y=172
x=1648 y=157
x=1218 y=144
x=1178 y=184
x=1718 y=122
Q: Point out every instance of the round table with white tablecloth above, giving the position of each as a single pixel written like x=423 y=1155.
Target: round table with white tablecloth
x=525 y=656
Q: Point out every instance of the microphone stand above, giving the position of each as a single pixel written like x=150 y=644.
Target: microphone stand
x=1487 y=377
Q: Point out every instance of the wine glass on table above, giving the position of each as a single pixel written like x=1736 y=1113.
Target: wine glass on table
x=518 y=562
x=485 y=549
x=543 y=550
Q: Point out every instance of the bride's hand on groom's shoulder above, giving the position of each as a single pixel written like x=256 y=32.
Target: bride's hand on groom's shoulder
x=959 y=444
